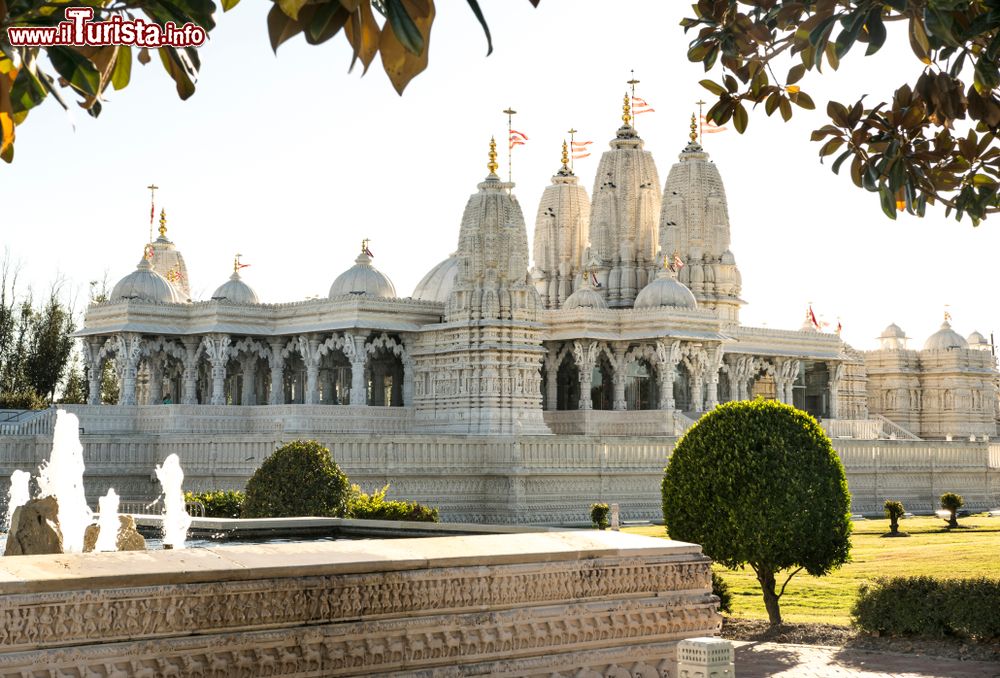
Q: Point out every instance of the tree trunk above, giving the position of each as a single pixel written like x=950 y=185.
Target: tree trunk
x=894 y=525
x=767 y=585
x=953 y=521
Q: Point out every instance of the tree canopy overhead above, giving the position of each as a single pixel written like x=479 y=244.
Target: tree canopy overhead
x=397 y=30
x=934 y=140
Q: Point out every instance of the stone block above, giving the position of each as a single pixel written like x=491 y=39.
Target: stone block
x=34 y=529
x=128 y=539
x=705 y=658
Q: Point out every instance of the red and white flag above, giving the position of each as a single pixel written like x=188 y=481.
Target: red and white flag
x=580 y=149
x=678 y=264
x=639 y=106
x=517 y=138
x=811 y=317
x=709 y=127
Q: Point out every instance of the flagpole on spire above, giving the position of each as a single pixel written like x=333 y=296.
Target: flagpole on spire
x=633 y=82
x=701 y=121
x=152 y=208
x=571 y=132
x=510 y=146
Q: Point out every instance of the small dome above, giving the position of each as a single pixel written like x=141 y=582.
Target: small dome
x=728 y=258
x=235 y=291
x=893 y=331
x=585 y=297
x=439 y=281
x=665 y=291
x=145 y=284
x=944 y=339
x=362 y=278
x=978 y=341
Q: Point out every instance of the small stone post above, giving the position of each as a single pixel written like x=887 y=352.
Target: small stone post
x=705 y=658
x=614 y=517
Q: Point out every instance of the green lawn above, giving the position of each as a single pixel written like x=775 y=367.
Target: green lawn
x=931 y=550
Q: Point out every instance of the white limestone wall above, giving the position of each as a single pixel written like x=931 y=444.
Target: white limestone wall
x=524 y=479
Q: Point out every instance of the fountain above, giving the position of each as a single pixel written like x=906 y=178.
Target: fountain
x=176 y=520
x=107 y=522
x=17 y=495
x=62 y=477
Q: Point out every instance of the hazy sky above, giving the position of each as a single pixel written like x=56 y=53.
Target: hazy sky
x=292 y=161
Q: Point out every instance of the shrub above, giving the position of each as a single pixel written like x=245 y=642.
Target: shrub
x=220 y=503
x=22 y=400
x=375 y=506
x=908 y=606
x=758 y=483
x=893 y=511
x=720 y=589
x=599 y=515
x=298 y=479
x=952 y=502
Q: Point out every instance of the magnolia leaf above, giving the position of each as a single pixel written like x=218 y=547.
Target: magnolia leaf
x=740 y=118
x=404 y=26
x=280 y=27
x=122 y=73
x=292 y=7
x=6 y=116
x=400 y=64
x=103 y=59
x=179 y=67
x=363 y=33
x=229 y=4
x=474 y=4
x=327 y=20
x=713 y=87
x=77 y=69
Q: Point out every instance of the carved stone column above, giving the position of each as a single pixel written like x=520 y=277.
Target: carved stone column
x=552 y=383
x=619 y=378
x=155 y=395
x=585 y=355
x=216 y=347
x=192 y=347
x=311 y=355
x=712 y=377
x=667 y=355
x=277 y=395
x=95 y=363
x=129 y=351
x=249 y=394
x=836 y=372
x=358 y=357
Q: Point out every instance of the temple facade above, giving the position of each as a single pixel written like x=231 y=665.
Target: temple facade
x=626 y=322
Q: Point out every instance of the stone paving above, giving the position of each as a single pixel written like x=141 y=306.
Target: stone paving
x=755 y=660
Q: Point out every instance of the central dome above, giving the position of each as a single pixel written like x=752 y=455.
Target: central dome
x=362 y=278
x=945 y=339
x=665 y=291
x=145 y=284
x=439 y=281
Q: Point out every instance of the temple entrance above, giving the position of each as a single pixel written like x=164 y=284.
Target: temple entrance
x=641 y=391
x=682 y=388
x=335 y=379
x=384 y=379
x=812 y=389
x=602 y=387
x=568 y=385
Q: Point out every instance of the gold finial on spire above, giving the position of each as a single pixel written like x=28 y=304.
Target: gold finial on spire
x=565 y=156
x=236 y=263
x=492 y=164
x=627 y=112
x=694 y=130
x=163 y=223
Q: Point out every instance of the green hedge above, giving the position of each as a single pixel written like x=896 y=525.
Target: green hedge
x=22 y=400
x=298 y=479
x=908 y=606
x=375 y=506
x=220 y=503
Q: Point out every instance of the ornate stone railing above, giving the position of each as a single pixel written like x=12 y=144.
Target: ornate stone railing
x=26 y=422
x=875 y=428
x=564 y=603
x=610 y=422
x=682 y=423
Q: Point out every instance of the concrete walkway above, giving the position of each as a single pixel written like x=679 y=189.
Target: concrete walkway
x=757 y=660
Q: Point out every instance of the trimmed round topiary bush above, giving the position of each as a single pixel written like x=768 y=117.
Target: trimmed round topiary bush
x=298 y=479
x=599 y=514
x=893 y=511
x=758 y=483
x=951 y=502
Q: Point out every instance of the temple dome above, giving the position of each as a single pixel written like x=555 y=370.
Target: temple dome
x=977 y=340
x=665 y=291
x=439 y=281
x=235 y=291
x=944 y=339
x=362 y=278
x=585 y=297
x=893 y=331
x=145 y=284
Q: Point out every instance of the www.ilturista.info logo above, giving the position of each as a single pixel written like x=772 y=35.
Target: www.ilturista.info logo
x=79 y=30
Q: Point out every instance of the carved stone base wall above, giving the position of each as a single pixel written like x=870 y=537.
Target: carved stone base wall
x=529 y=604
x=551 y=479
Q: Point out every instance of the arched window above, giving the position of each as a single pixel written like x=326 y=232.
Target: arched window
x=568 y=385
x=602 y=388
